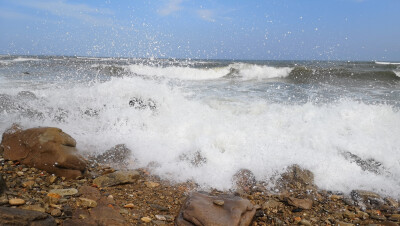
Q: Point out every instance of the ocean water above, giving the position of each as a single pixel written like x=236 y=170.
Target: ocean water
x=341 y=120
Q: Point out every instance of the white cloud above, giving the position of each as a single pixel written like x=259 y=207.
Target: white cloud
x=171 y=7
x=81 y=12
x=206 y=14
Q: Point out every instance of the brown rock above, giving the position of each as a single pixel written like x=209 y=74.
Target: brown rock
x=28 y=184
x=369 y=199
x=116 y=178
x=45 y=148
x=105 y=215
x=200 y=210
x=55 y=213
x=395 y=217
x=13 y=216
x=35 y=208
x=300 y=203
x=16 y=202
x=129 y=205
x=271 y=204
x=117 y=155
x=89 y=192
x=151 y=184
x=146 y=219
x=340 y=223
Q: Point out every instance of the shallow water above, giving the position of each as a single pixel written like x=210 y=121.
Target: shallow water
x=259 y=115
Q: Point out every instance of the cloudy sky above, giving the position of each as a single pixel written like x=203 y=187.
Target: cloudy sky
x=264 y=29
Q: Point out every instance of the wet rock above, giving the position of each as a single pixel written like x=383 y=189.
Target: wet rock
x=305 y=222
x=196 y=158
x=391 y=202
x=370 y=165
x=16 y=202
x=341 y=223
x=139 y=103
x=370 y=199
x=244 y=180
x=13 y=216
x=301 y=178
x=305 y=204
x=199 y=209
x=116 y=178
x=158 y=207
x=117 y=155
x=46 y=148
x=395 y=217
x=34 y=208
x=64 y=192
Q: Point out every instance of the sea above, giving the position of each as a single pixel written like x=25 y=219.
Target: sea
x=204 y=120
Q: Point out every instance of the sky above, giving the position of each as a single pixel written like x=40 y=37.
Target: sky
x=204 y=29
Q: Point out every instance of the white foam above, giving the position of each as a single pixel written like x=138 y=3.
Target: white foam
x=22 y=59
x=264 y=138
x=245 y=71
x=397 y=73
x=387 y=63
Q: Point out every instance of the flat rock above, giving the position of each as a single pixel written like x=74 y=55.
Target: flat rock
x=199 y=209
x=16 y=202
x=89 y=192
x=116 y=178
x=34 y=208
x=64 y=192
x=44 y=148
x=106 y=215
x=13 y=216
x=300 y=203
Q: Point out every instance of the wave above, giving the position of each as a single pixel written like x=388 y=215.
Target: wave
x=387 y=63
x=304 y=74
x=22 y=59
x=264 y=138
x=236 y=70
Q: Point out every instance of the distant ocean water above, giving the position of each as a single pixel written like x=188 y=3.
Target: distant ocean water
x=341 y=120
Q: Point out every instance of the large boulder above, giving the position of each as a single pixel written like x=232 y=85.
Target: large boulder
x=13 y=216
x=204 y=209
x=45 y=148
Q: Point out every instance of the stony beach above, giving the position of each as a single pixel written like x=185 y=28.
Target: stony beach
x=104 y=192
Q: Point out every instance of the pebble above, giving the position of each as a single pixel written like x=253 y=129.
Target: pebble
x=28 y=184
x=161 y=217
x=55 y=213
x=305 y=222
x=219 y=202
x=151 y=184
x=52 y=179
x=129 y=205
x=395 y=217
x=64 y=192
x=146 y=219
x=20 y=173
x=88 y=203
x=16 y=202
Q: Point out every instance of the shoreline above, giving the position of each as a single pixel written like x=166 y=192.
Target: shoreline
x=158 y=201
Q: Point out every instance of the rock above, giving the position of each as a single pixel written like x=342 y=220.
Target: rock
x=117 y=155
x=46 y=148
x=305 y=204
x=52 y=179
x=271 y=204
x=14 y=216
x=302 y=178
x=52 y=198
x=395 y=217
x=199 y=209
x=304 y=222
x=349 y=215
x=89 y=192
x=88 y=203
x=391 y=202
x=244 y=180
x=369 y=199
x=34 y=208
x=3 y=186
x=129 y=205
x=28 y=184
x=64 y=192
x=116 y=178
x=219 y=202
x=16 y=202
x=158 y=207
x=146 y=219
x=105 y=215
x=55 y=213
x=161 y=217
x=341 y=223
x=151 y=184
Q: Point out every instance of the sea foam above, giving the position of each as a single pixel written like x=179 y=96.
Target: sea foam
x=230 y=135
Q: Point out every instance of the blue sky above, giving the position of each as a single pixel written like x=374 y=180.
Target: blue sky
x=264 y=30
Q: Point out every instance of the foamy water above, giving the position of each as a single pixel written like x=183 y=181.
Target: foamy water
x=234 y=123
